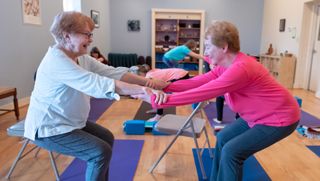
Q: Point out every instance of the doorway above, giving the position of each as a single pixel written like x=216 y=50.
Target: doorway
x=309 y=49
x=313 y=80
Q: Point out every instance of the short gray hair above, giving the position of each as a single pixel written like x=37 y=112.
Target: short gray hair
x=70 y=21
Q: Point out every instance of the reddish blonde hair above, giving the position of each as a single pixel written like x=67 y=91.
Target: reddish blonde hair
x=222 y=33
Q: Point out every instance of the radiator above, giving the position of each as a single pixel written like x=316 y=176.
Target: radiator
x=122 y=60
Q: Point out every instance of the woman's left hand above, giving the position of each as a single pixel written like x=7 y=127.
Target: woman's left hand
x=161 y=97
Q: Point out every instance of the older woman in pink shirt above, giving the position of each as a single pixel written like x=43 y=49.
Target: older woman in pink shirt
x=268 y=112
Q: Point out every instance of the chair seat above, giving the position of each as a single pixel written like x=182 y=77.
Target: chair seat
x=16 y=129
x=171 y=124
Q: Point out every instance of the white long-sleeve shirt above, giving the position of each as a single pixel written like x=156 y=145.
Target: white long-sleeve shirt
x=60 y=101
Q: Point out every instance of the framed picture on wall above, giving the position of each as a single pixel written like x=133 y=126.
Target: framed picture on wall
x=31 y=12
x=95 y=16
x=282 y=25
x=133 y=25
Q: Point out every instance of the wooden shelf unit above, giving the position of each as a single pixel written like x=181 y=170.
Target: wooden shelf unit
x=282 y=68
x=174 y=27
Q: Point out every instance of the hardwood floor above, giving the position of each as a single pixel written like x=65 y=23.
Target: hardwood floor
x=288 y=159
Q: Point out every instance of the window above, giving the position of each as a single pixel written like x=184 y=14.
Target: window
x=72 y=5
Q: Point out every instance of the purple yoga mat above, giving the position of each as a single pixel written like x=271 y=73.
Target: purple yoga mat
x=211 y=112
x=309 y=120
x=125 y=158
x=229 y=116
x=98 y=107
x=123 y=162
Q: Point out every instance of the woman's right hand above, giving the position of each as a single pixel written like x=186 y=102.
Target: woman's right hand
x=161 y=97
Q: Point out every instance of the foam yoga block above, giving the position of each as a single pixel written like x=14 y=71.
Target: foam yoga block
x=299 y=100
x=139 y=127
x=134 y=127
x=194 y=105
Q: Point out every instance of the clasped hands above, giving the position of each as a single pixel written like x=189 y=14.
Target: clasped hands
x=161 y=97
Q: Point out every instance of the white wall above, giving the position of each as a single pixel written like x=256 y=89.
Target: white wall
x=245 y=14
x=292 y=11
x=101 y=35
x=23 y=46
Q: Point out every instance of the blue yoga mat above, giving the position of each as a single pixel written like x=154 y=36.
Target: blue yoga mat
x=229 y=116
x=98 y=107
x=315 y=149
x=125 y=158
x=252 y=170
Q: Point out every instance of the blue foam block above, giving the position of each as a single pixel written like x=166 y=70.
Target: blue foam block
x=194 y=105
x=149 y=126
x=299 y=100
x=134 y=127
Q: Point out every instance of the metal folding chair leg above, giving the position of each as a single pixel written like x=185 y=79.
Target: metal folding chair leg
x=208 y=142
x=165 y=151
x=17 y=158
x=21 y=155
x=187 y=124
x=174 y=139
x=37 y=152
x=54 y=166
x=204 y=175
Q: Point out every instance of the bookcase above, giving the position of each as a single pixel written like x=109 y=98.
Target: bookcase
x=174 y=27
x=282 y=68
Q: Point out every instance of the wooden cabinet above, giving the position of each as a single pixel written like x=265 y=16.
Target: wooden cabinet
x=174 y=27
x=282 y=68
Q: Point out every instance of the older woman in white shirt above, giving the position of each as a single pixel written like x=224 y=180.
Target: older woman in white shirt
x=60 y=102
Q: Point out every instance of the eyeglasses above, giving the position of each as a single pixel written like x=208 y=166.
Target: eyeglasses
x=88 y=34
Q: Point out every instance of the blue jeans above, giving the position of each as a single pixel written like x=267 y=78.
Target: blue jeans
x=236 y=142
x=170 y=63
x=92 y=144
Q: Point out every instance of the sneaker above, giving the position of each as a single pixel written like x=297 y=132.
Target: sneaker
x=219 y=127
x=155 y=118
x=217 y=120
x=151 y=111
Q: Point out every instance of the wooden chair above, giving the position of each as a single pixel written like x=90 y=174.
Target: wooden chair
x=7 y=92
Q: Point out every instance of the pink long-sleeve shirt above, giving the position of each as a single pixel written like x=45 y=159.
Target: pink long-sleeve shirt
x=248 y=88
